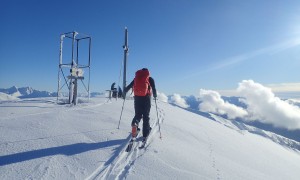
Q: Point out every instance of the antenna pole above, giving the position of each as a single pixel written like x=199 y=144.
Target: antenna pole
x=125 y=47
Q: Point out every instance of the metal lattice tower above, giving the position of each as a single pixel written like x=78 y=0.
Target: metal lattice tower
x=74 y=61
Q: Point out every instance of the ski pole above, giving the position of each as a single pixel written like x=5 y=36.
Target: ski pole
x=158 y=120
x=121 y=112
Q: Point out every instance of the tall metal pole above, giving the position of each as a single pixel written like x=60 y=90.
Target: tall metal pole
x=60 y=63
x=73 y=42
x=90 y=44
x=77 y=46
x=125 y=59
x=73 y=83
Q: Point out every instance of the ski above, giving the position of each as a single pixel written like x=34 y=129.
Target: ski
x=144 y=142
x=129 y=146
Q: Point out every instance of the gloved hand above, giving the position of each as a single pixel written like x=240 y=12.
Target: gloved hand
x=155 y=96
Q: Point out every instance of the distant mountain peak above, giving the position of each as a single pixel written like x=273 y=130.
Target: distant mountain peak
x=26 y=92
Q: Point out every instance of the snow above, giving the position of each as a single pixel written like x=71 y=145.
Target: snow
x=40 y=139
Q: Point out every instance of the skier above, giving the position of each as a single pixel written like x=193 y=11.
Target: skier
x=120 y=93
x=113 y=90
x=142 y=85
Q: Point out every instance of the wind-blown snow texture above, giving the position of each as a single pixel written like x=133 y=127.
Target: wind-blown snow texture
x=40 y=139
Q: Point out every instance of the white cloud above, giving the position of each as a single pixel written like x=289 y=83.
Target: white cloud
x=179 y=101
x=212 y=102
x=6 y=97
x=162 y=97
x=264 y=106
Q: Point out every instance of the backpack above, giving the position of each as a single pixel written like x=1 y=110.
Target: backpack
x=141 y=86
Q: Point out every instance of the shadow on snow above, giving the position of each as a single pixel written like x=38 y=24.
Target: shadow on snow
x=67 y=150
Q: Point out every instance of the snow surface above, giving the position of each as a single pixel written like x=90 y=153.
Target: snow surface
x=40 y=139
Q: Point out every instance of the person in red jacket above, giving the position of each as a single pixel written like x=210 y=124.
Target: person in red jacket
x=143 y=85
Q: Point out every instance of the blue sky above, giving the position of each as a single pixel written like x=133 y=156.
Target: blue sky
x=187 y=45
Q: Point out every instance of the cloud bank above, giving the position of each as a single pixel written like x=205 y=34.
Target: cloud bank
x=162 y=97
x=262 y=105
x=212 y=102
x=179 y=101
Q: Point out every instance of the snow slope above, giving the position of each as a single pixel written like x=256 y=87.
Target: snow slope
x=40 y=139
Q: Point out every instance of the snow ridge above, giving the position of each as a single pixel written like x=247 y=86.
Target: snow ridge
x=40 y=139
x=242 y=128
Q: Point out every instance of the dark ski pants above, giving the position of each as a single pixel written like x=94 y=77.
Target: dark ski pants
x=142 y=105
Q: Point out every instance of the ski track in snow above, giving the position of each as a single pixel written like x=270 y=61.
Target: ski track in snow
x=121 y=163
x=212 y=157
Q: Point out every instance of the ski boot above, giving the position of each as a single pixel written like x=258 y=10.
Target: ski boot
x=134 y=131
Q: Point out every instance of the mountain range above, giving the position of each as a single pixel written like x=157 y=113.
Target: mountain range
x=29 y=92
